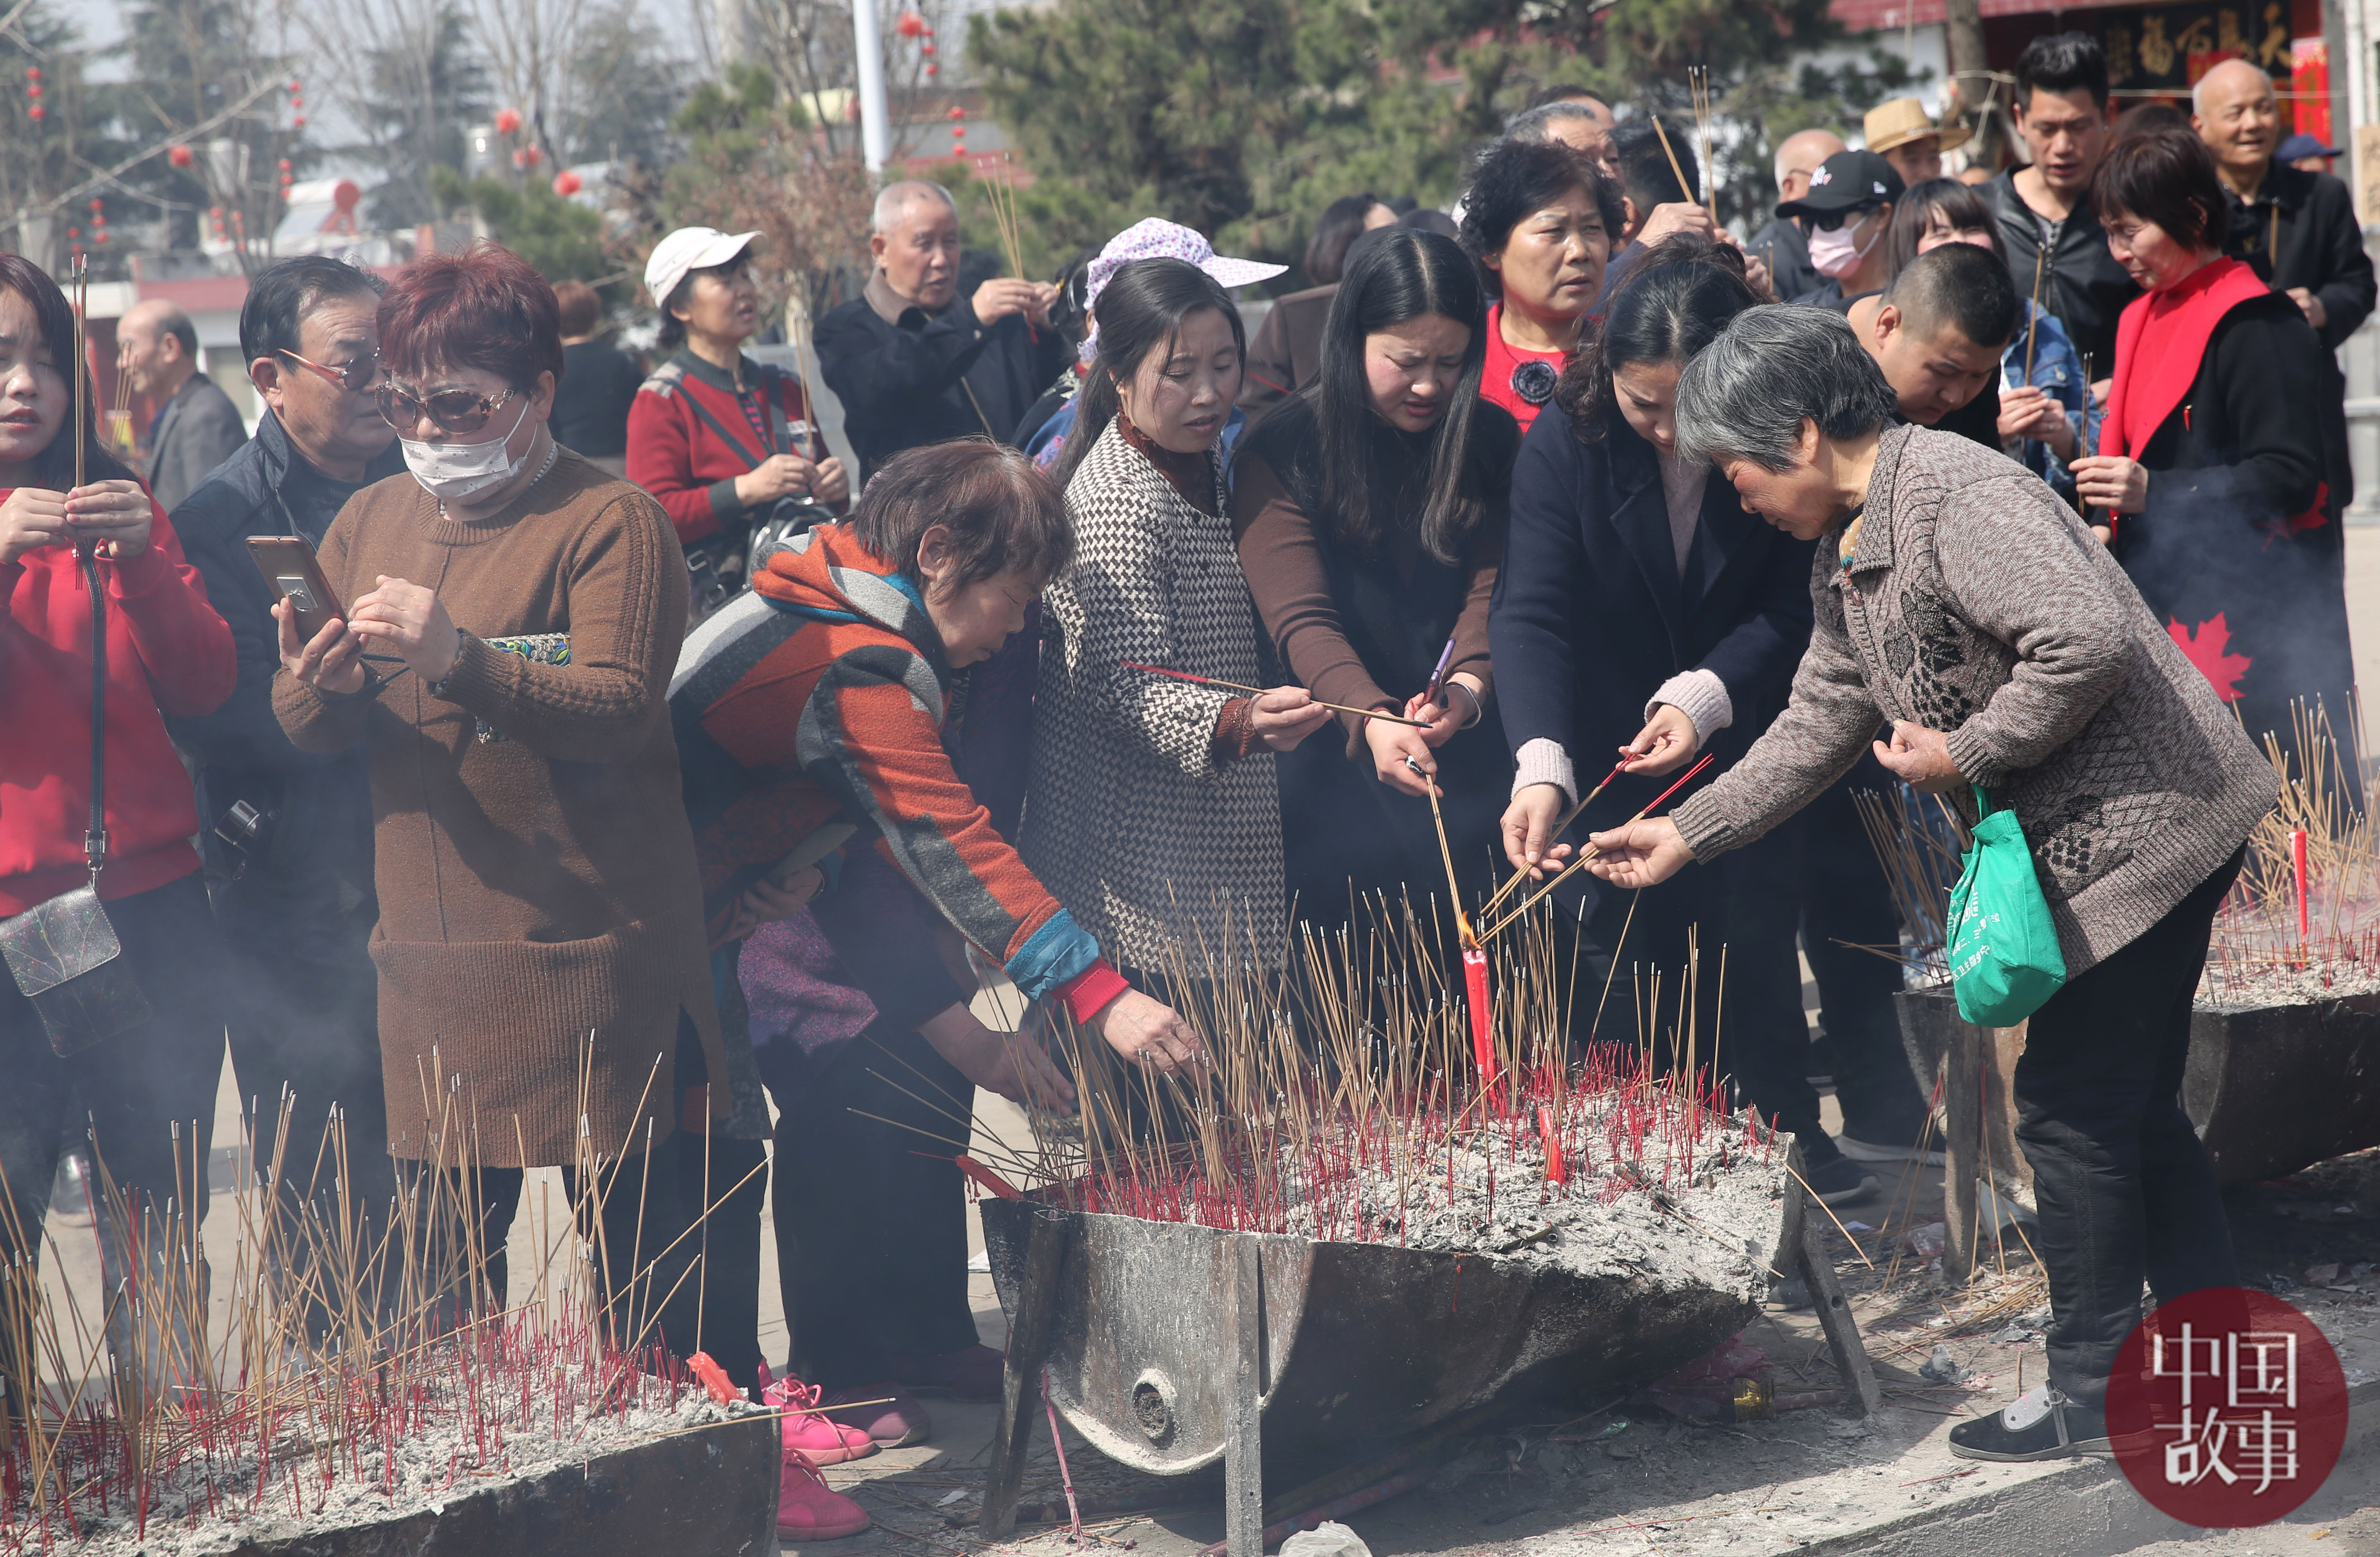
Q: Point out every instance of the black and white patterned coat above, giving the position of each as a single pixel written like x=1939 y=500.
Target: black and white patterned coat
x=1129 y=819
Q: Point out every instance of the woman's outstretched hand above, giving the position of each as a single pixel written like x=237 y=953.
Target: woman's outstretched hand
x=1286 y=716
x=1013 y=1064
x=1528 y=828
x=1148 y=1032
x=1641 y=854
x=1667 y=742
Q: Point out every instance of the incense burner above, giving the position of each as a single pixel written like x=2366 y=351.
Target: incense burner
x=1358 y=1340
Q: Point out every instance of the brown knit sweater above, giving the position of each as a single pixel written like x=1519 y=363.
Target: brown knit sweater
x=536 y=872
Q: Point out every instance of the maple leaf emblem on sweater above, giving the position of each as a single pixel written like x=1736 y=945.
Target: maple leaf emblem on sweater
x=2209 y=648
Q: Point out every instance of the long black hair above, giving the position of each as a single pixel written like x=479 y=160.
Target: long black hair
x=1140 y=310
x=53 y=468
x=1341 y=223
x=1962 y=207
x=1676 y=301
x=1400 y=275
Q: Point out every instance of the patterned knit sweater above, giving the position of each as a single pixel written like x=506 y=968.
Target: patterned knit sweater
x=1978 y=606
x=1132 y=817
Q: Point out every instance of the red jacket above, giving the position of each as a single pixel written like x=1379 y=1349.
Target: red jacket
x=675 y=454
x=166 y=649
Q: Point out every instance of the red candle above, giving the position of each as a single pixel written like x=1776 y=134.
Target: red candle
x=2298 y=860
x=1483 y=1047
x=1557 y=1170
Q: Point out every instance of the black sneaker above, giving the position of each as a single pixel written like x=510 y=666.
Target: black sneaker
x=2040 y=1424
x=1840 y=1179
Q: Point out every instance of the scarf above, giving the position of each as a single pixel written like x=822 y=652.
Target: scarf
x=2160 y=340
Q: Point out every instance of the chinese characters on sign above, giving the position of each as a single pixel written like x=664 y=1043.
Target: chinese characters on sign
x=2174 y=45
x=2228 y=1408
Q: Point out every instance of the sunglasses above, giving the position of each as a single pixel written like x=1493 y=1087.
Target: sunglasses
x=1832 y=220
x=455 y=411
x=354 y=375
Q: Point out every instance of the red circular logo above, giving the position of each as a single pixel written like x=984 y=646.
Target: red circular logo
x=2227 y=1408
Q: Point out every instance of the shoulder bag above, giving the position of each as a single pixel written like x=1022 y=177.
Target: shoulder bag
x=64 y=954
x=2004 y=958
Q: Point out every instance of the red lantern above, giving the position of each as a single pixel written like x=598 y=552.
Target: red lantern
x=957 y=112
x=295 y=87
x=284 y=164
x=933 y=69
x=179 y=156
x=215 y=212
x=297 y=103
x=911 y=25
x=926 y=49
x=34 y=112
x=34 y=92
x=74 y=232
x=508 y=120
x=297 y=123
x=99 y=236
x=94 y=202
x=531 y=155
x=33 y=72
x=567 y=183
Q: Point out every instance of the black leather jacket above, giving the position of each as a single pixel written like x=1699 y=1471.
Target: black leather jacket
x=2081 y=283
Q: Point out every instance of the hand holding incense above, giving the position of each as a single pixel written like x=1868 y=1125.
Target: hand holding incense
x=1259 y=691
x=1590 y=852
x=1559 y=827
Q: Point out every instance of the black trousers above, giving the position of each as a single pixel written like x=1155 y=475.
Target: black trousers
x=2124 y=1188
x=305 y=1022
x=727 y=1288
x=1816 y=880
x=124 y=1096
x=871 y=1226
x=646 y=1289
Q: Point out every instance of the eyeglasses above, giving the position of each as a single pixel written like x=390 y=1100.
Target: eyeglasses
x=455 y=411
x=1828 y=222
x=354 y=375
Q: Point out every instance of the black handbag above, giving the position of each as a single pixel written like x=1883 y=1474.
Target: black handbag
x=721 y=566
x=64 y=954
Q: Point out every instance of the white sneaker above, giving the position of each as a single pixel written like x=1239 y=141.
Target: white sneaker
x=1869 y=1151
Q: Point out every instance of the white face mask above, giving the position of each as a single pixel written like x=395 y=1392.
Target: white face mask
x=1835 y=254
x=451 y=472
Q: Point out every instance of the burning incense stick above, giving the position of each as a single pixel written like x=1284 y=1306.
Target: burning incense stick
x=1698 y=83
x=1590 y=852
x=1259 y=691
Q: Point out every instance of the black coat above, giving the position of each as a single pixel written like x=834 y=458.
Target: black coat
x=2231 y=528
x=2081 y=282
x=1784 y=248
x=931 y=378
x=1591 y=614
x=312 y=876
x=2321 y=248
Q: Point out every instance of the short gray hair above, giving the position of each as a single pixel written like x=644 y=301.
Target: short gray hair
x=893 y=199
x=1746 y=394
x=1538 y=124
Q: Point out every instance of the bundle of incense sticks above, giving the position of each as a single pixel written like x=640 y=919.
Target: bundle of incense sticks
x=1590 y=852
x=1259 y=691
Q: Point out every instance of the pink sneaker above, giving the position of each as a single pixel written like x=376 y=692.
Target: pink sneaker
x=810 y=1434
x=809 y=1510
x=895 y=1423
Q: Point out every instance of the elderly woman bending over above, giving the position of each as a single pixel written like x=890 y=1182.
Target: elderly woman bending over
x=1958 y=601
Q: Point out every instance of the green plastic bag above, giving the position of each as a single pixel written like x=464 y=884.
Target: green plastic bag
x=2004 y=958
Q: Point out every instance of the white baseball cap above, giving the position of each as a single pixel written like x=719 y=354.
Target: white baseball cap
x=689 y=248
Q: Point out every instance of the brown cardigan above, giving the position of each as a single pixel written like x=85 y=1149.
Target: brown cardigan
x=536 y=871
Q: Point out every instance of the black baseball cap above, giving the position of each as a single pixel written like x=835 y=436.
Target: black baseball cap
x=1847 y=181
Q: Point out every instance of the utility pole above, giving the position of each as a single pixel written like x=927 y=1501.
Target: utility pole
x=1963 y=27
x=867 y=48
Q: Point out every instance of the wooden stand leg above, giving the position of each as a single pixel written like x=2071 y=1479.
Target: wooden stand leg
x=1029 y=1348
x=1861 y=1396
x=1243 y=1431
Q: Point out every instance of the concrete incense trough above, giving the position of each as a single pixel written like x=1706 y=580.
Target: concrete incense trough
x=1359 y=1340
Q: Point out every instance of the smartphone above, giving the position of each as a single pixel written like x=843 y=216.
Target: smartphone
x=289 y=565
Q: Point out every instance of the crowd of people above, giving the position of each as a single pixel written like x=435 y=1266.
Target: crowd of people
x=646 y=766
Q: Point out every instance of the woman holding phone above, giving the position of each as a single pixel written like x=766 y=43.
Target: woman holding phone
x=166 y=652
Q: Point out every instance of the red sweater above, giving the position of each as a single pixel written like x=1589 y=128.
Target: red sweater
x=166 y=649
x=679 y=458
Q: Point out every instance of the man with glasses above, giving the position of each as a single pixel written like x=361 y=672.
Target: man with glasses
x=2045 y=209
x=288 y=835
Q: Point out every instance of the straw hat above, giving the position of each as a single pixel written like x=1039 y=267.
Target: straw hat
x=1900 y=120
